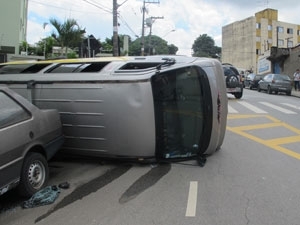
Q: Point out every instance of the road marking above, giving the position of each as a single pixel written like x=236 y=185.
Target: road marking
x=192 y=200
x=291 y=105
x=231 y=110
x=274 y=143
x=252 y=107
x=277 y=108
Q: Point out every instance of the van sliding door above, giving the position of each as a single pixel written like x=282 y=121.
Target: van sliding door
x=181 y=112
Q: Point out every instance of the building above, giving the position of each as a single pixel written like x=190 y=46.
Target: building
x=13 y=24
x=256 y=39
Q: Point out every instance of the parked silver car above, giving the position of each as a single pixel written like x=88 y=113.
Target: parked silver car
x=275 y=83
x=29 y=137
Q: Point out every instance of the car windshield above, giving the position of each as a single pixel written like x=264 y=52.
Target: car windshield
x=258 y=77
x=281 y=77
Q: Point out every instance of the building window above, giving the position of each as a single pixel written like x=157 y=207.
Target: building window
x=289 y=31
x=258 y=39
x=270 y=27
x=290 y=44
x=257 y=51
x=258 y=25
x=298 y=32
x=280 y=29
x=280 y=42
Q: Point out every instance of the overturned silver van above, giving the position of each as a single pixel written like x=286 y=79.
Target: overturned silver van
x=145 y=108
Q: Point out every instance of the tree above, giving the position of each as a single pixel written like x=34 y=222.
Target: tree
x=69 y=34
x=204 y=46
x=154 y=45
x=47 y=42
x=172 y=49
x=25 y=47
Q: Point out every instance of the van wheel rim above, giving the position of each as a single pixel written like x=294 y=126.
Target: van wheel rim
x=36 y=174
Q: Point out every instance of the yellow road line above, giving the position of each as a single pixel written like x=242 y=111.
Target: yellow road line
x=271 y=143
x=259 y=126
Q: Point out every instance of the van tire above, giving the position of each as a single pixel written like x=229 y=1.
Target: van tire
x=34 y=174
x=232 y=81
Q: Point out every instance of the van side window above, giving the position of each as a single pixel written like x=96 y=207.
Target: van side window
x=22 y=68
x=11 y=111
x=78 y=67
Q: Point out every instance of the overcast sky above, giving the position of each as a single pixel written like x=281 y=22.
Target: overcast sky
x=189 y=18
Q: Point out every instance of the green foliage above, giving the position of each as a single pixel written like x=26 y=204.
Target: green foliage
x=204 y=46
x=153 y=45
x=68 y=34
x=72 y=55
x=25 y=47
x=47 y=42
x=172 y=49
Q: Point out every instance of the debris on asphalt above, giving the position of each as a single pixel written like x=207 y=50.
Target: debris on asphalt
x=45 y=196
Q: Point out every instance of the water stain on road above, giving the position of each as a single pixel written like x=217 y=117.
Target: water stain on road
x=88 y=188
x=144 y=182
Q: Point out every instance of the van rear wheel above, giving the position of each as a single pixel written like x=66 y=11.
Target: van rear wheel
x=34 y=174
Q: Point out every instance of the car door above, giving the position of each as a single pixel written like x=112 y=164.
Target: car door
x=15 y=126
x=265 y=81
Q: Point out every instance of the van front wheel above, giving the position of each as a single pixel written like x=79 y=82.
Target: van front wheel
x=34 y=174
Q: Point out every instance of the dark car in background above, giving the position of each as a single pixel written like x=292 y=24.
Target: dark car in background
x=275 y=83
x=234 y=83
x=29 y=137
x=251 y=81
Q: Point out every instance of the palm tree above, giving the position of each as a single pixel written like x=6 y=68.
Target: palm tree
x=69 y=34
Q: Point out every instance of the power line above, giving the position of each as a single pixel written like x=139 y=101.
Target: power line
x=58 y=7
x=126 y=24
x=99 y=6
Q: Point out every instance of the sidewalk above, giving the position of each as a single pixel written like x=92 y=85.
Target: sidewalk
x=295 y=93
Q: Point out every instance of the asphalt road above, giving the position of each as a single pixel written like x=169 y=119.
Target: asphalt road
x=251 y=180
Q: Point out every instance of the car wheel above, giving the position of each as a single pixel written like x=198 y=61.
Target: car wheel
x=34 y=174
x=269 y=90
x=238 y=95
x=289 y=93
x=258 y=88
x=250 y=87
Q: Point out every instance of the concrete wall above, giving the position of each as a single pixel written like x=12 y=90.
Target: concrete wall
x=238 y=44
x=13 y=23
x=292 y=62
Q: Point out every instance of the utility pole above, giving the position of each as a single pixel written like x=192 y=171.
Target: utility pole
x=149 y=23
x=143 y=23
x=115 y=29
